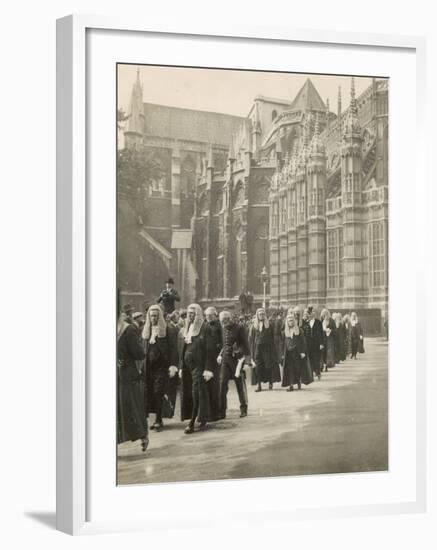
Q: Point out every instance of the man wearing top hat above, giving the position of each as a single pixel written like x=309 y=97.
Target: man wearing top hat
x=168 y=297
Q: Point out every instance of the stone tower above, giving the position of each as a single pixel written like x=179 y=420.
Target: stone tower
x=351 y=198
x=316 y=184
x=302 y=227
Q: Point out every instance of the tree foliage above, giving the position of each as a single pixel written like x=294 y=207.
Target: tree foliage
x=135 y=173
x=121 y=117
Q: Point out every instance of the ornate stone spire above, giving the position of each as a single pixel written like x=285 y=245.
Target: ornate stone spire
x=352 y=125
x=317 y=146
x=136 y=109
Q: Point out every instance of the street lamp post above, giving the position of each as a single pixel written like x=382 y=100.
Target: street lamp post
x=264 y=279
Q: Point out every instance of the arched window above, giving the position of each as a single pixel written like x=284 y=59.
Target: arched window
x=274 y=114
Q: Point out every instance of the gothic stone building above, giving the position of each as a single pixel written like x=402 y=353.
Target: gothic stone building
x=293 y=187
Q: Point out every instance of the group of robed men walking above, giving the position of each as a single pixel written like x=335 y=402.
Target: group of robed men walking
x=206 y=353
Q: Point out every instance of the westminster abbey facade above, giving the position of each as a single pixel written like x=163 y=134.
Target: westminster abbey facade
x=294 y=188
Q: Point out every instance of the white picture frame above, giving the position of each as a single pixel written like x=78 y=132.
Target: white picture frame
x=73 y=298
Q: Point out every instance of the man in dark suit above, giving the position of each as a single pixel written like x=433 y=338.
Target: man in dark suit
x=235 y=347
x=314 y=338
x=169 y=296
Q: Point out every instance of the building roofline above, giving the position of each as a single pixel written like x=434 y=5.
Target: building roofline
x=272 y=100
x=193 y=110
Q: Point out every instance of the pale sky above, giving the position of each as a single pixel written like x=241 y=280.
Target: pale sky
x=226 y=91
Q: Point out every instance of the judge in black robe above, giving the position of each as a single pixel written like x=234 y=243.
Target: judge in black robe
x=192 y=347
x=329 y=337
x=131 y=415
x=356 y=336
x=294 y=355
x=313 y=332
x=263 y=352
x=160 y=345
x=340 y=354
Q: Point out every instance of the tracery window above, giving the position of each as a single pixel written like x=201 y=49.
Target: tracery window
x=377 y=254
x=335 y=258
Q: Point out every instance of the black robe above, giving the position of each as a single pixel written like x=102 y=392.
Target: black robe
x=160 y=388
x=297 y=369
x=340 y=337
x=278 y=336
x=329 y=344
x=131 y=415
x=214 y=344
x=263 y=352
x=357 y=343
x=193 y=384
x=314 y=339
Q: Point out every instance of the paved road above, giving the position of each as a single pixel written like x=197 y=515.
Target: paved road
x=337 y=424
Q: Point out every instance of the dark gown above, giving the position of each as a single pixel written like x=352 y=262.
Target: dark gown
x=314 y=339
x=160 y=388
x=214 y=343
x=340 y=353
x=357 y=345
x=329 y=345
x=295 y=367
x=131 y=415
x=194 y=392
x=347 y=339
x=278 y=336
x=263 y=352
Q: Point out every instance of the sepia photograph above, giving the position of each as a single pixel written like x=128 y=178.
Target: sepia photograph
x=252 y=275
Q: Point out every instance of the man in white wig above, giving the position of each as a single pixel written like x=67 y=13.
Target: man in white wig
x=262 y=349
x=160 y=344
x=192 y=346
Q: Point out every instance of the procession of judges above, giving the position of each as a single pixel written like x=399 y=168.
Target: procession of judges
x=197 y=353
